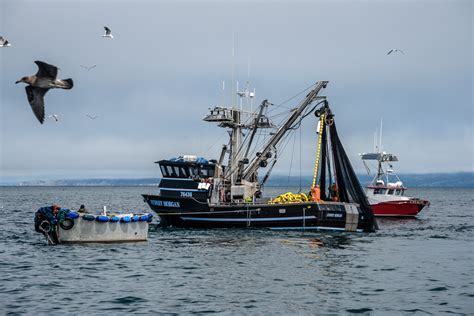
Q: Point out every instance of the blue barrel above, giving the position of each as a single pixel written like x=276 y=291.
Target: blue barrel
x=114 y=219
x=135 y=218
x=143 y=218
x=102 y=218
x=72 y=215
x=125 y=219
x=88 y=217
x=150 y=218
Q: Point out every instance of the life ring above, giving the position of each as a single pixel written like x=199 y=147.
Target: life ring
x=45 y=226
x=67 y=224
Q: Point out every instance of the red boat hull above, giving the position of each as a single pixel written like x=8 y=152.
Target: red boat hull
x=409 y=208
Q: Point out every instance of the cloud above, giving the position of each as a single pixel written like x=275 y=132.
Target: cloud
x=155 y=81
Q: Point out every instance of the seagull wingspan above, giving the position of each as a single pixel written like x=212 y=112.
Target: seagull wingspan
x=35 y=98
x=88 y=68
x=395 y=50
x=46 y=70
x=55 y=117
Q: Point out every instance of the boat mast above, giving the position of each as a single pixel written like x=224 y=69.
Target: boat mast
x=264 y=104
x=253 y=166
x=236 y=140
x=379 y=150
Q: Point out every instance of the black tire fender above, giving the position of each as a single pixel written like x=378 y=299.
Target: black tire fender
x=67 y=224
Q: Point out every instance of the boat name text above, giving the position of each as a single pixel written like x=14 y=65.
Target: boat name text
x=165 y=203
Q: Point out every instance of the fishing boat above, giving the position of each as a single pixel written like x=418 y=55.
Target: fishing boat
x=386 y=192
x=60 y=225
x=223 y=193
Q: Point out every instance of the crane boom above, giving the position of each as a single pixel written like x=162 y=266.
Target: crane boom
x=255 y=163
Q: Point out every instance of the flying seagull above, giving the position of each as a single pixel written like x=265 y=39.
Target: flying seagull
x=108 y=32
x=54 y=116
x=4 y=42
x=40 y=83
x=395 y=50
x=92 y=117
x=89 y=68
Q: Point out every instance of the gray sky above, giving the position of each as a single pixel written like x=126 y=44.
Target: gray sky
x=156 y=79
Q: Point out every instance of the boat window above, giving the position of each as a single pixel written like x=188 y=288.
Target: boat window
x=175 y=172
x=210 y=172
x=204 y=173
x=376 y=191
x=380 y=191
x=193 y=171
x=207 y=172
x=170 y=171
x=186 y=172
x=390 y=191
x=163 y=171
x=398 y=192
x=183 y=172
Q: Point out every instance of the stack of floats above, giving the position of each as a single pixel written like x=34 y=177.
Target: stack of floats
x=61 y=225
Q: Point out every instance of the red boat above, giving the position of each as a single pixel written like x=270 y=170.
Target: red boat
x=386 y=193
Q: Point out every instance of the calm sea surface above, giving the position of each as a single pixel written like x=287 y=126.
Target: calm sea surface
x=419 y=266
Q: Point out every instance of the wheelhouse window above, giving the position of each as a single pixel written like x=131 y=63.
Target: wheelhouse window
x=399 y=192
x=183 y=172
x=380 y=191
x=193 y=171
x=186 y=170
x=390 y=191
x=163 y=171
x=207 y=172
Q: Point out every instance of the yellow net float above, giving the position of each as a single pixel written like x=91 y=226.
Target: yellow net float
x=290 y=197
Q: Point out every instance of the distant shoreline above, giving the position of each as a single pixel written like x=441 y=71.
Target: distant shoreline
x=431 y=180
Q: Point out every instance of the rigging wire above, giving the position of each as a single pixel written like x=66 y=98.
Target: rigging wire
x=280 y=114
x=218 y=140
x=285 y=141
x=298 y=124
x=296 y=95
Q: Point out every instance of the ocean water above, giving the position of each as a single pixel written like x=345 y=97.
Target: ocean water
x=411 y=267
